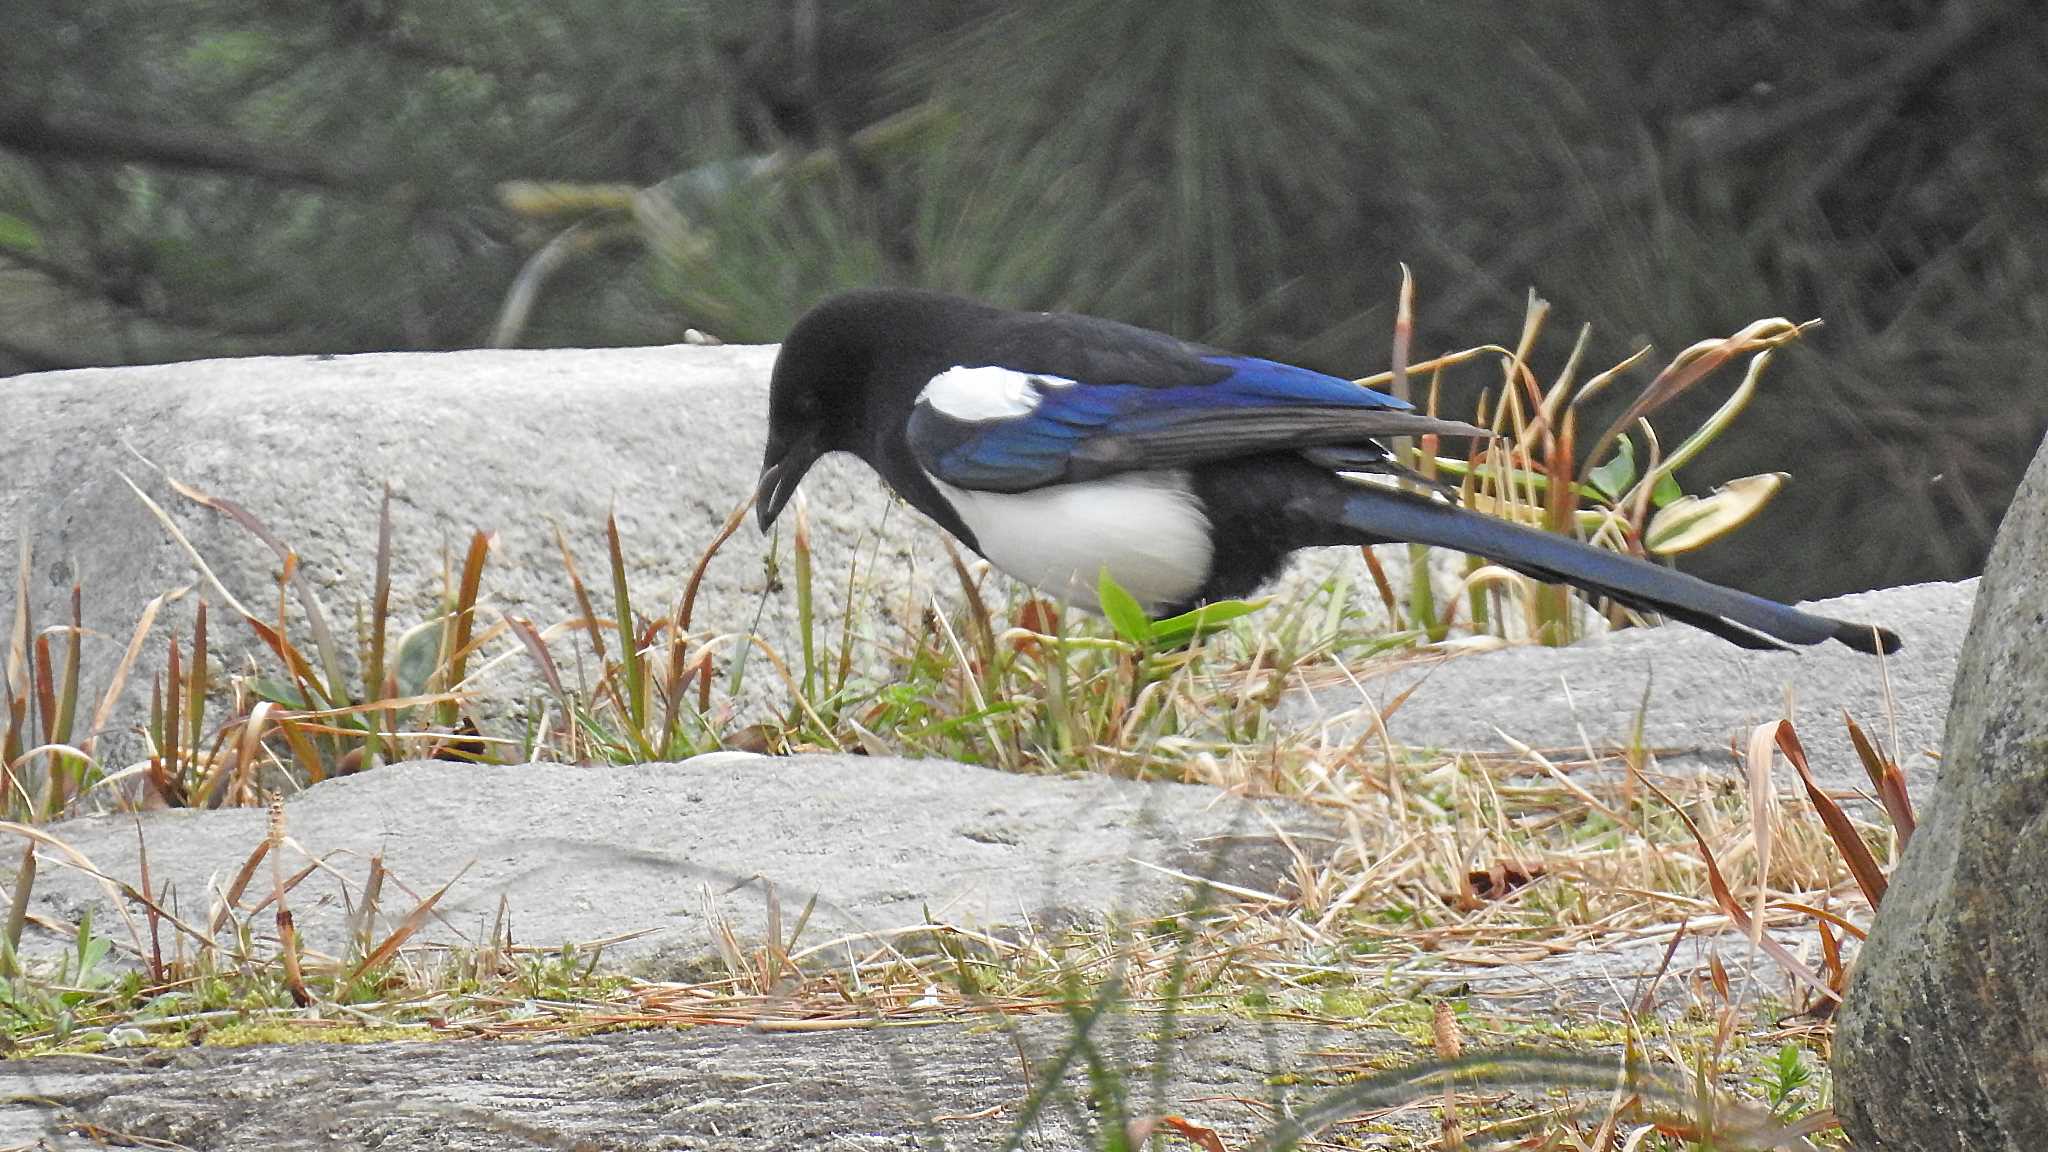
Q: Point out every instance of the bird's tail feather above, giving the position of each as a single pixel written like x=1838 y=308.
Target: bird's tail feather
x=1360 y=514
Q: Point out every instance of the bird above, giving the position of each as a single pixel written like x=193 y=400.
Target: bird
x=1060 y=446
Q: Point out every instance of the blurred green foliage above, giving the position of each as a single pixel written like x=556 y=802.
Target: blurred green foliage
x=220 y=176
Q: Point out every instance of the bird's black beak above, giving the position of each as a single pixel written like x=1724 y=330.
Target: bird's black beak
x=781 y=471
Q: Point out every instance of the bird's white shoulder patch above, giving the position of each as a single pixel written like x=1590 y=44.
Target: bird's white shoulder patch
x=988 y=393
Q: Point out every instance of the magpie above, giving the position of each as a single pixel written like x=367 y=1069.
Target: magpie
x=1058 y=446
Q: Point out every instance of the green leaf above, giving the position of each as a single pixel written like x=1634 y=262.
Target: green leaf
x=419 y=653
x=278 y=692
x=1666 y=492
x=1692 y=522
x=968 y=721
x=1203 y=621
x=17 y=234
x=1614 y=477
x=1122 y=610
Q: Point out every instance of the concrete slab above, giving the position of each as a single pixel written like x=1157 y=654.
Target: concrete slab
x=932 y=1088
x=1702 y=691
x=583 y=854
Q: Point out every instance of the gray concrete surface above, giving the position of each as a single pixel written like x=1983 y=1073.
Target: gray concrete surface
x=935 y=1088
x=941 y=1087
x=588 y=853
x=1703 y=691
x=1617 y=977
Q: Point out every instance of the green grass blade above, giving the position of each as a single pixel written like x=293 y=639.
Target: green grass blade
x=629 y=651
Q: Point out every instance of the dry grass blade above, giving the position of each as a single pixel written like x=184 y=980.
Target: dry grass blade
x=303 y=748
x=168 y=772
x=14 y=730
x=60 y=710
x=1448 y=360
x=18 y=633
x=104 y=714
x=1763 y=800
x=119 y=892
x=978 y=615
x=1422 y=610
x=1841 y=829
x=233 y=896
x=17 y=910
x=1705 y=434
x=1824 y=917
x=1599 y=382
x=781 y=669
x=413 y=922
x=287 y=931
x=197 y=684
x=15 y=685
x=1561 y=392
x=156 y=937
x=463 y=623
x=1732 y=908
x=365 y=929
x=1535 y=312
x=1647 y=1002
x=291 y=884
x=1831 y=958
x=1887 y=778
x=46 y=689
x=806 y=604
x=687 y=608
x=537 y=648
x=1404 y=336
x=67 y=686
x=309 y=600
x=588 y=617
x=191 y=553
x=248 y=750
x=679 y=633
x=380 y=601
x=296 y=664
x=1381 y=584
x=1694 y=365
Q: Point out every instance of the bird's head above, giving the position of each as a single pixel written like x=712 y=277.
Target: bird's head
x=815 y=400
x=847 y=371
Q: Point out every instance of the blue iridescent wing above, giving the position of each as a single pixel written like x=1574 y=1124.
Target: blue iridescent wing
x=1225 y=406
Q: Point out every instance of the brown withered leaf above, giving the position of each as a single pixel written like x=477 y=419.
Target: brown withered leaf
x=1199 y=1135
x=762 y=739
x=463 y=744
x=1502 y=878
x=1036 y=615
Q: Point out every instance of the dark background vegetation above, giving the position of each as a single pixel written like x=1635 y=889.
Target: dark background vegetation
x=216 y=177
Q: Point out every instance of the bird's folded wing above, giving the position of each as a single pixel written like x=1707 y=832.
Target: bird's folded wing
x=1081 y=431
x=1197 y=437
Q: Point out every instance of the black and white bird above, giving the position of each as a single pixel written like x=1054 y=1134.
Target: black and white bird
x=1059 y=446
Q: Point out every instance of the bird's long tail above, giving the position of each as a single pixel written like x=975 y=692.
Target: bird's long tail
x=1365 y=514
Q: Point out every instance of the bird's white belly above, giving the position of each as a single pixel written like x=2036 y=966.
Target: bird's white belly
x=1146 y=528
